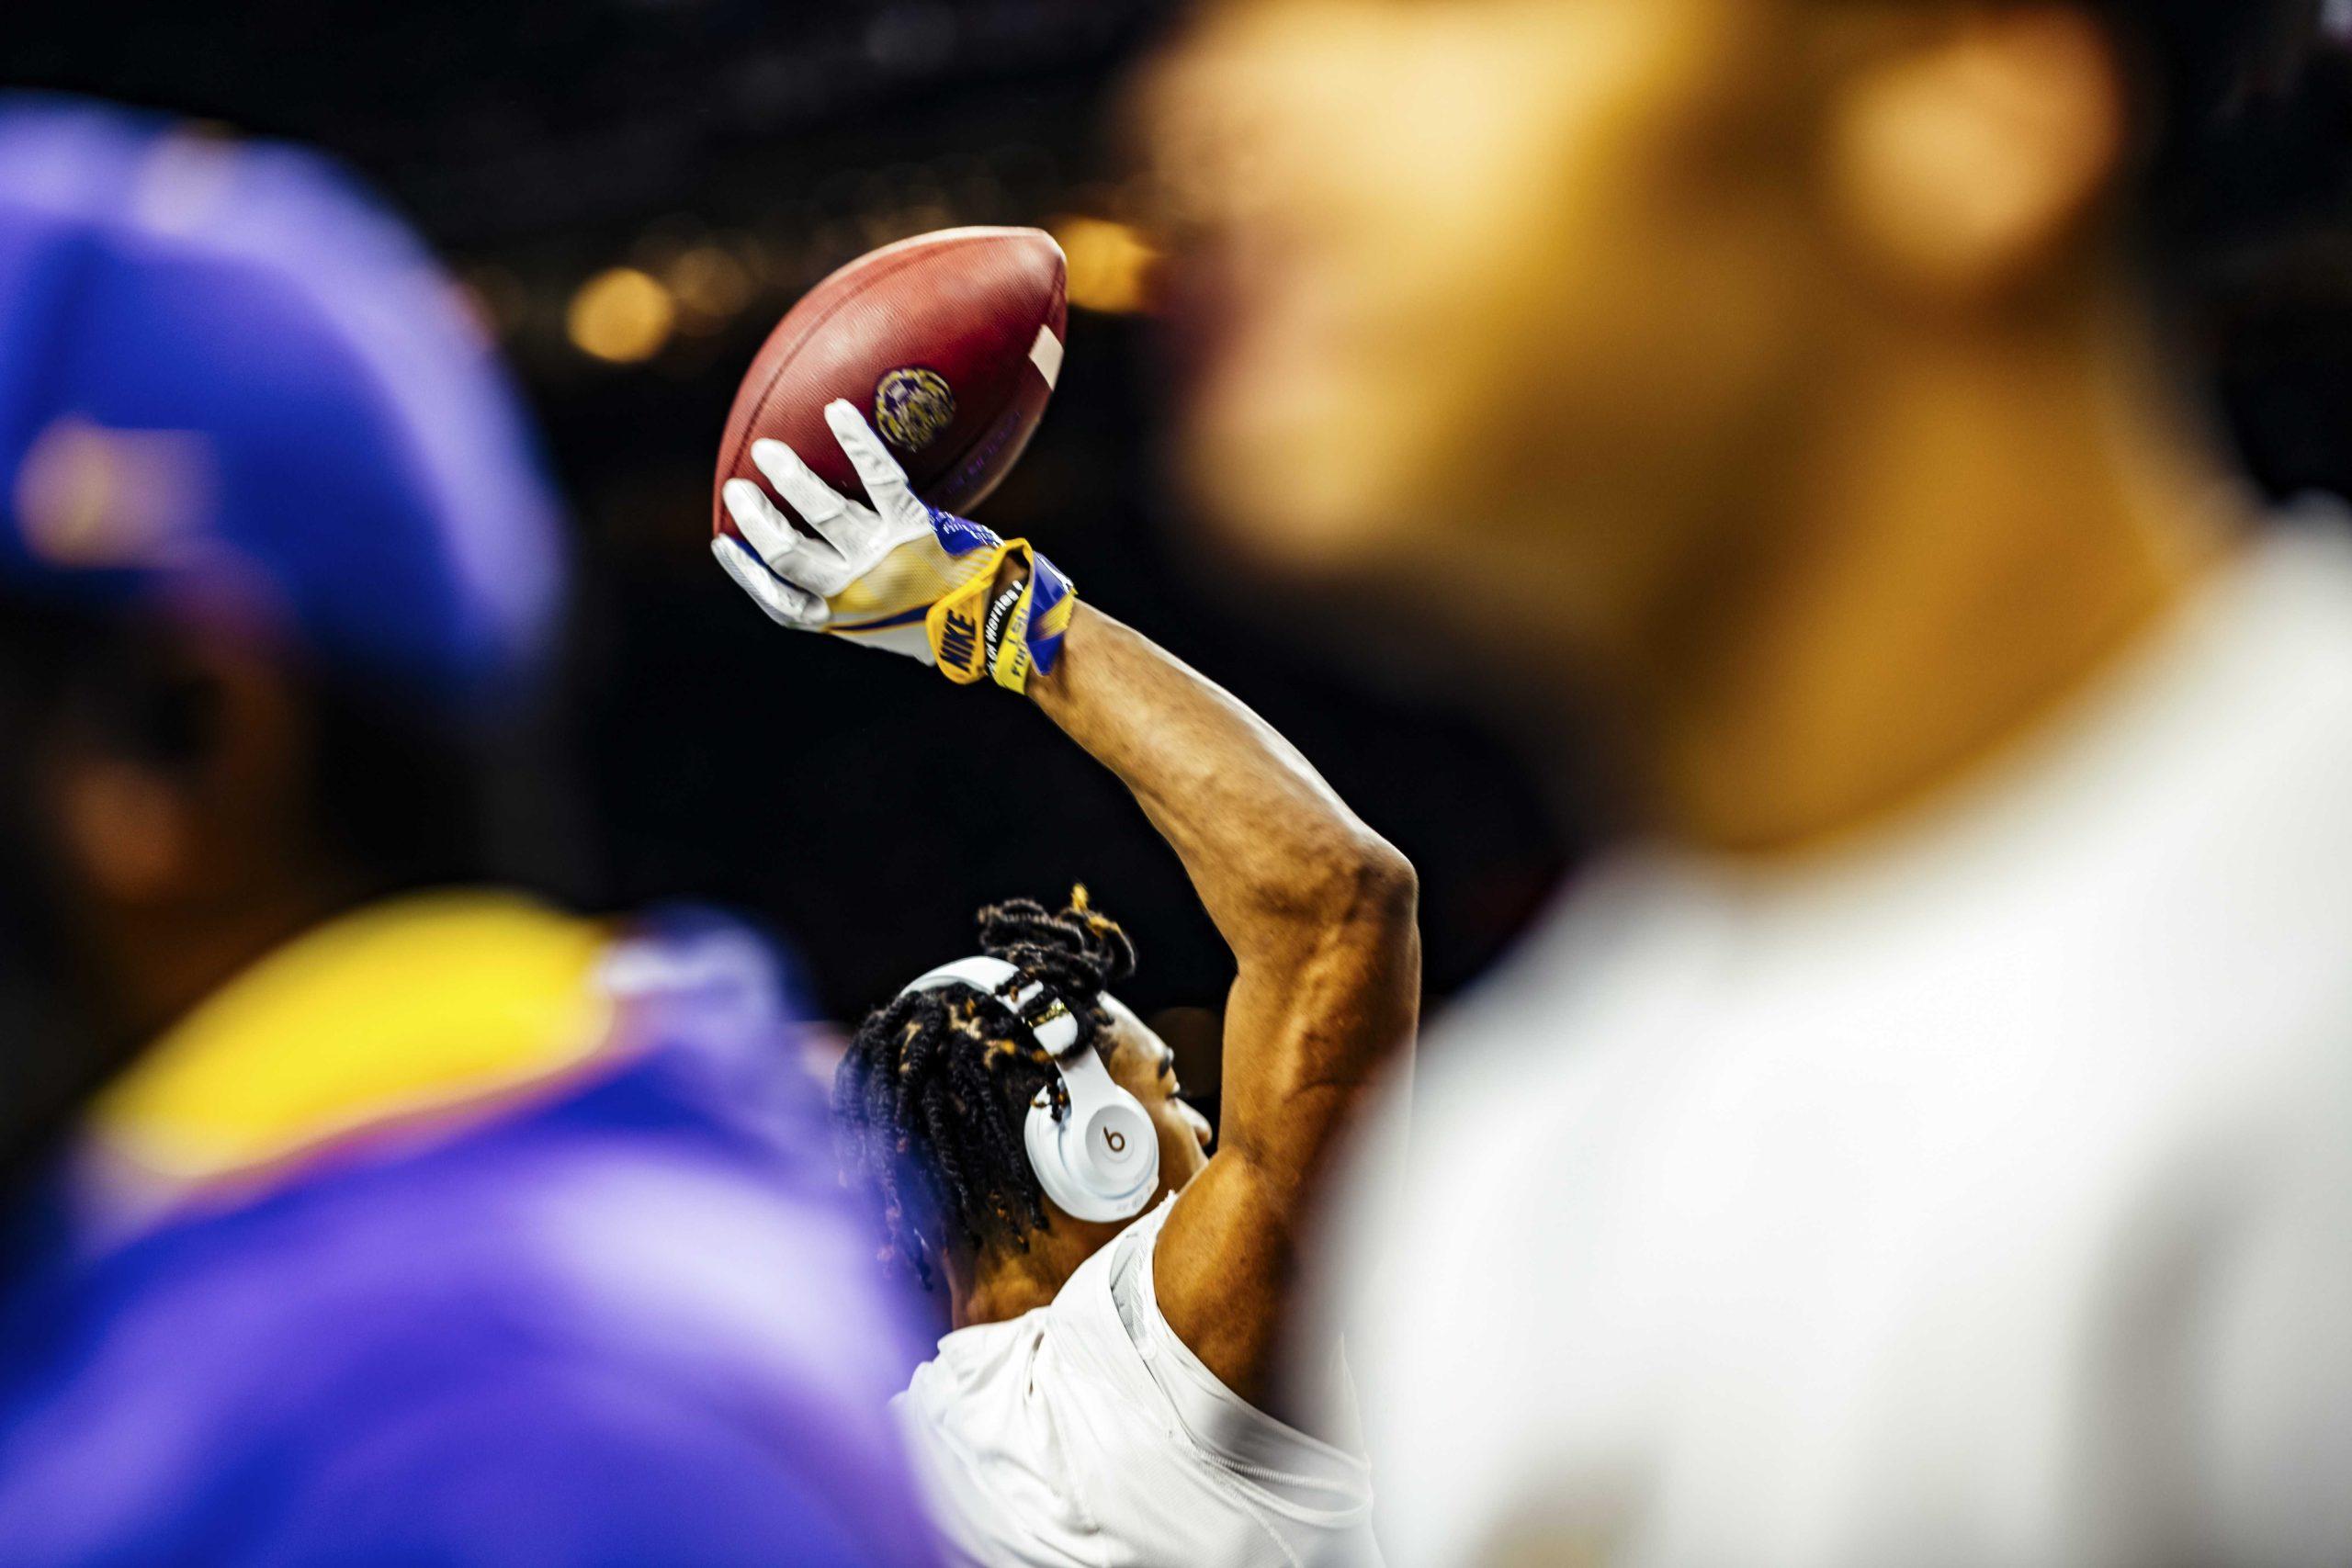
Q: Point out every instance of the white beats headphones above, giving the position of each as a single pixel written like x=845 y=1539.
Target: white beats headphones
x=1100 y=1162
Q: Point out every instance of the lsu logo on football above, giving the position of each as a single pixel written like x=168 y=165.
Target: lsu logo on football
x=913 y=407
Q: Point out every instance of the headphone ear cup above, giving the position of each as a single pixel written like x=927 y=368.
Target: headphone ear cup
x=1101 y=1161
x=1042 y=1136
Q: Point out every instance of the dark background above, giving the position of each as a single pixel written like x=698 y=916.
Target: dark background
x=861 y=804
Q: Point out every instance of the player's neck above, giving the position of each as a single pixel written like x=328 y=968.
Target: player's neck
x=1005 y=1282
x=165 y=961
x=1982 y=529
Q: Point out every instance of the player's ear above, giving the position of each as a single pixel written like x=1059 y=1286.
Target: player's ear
x=1972 y=151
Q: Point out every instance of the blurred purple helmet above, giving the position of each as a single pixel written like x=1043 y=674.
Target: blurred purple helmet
x=234 y=388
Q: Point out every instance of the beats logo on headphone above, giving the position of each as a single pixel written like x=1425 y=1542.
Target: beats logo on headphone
x=1101 y=1160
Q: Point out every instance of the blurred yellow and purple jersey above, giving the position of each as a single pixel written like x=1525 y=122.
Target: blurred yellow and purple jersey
x=458 y=1231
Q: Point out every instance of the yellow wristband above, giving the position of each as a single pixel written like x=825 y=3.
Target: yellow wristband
x=955 y=622
x=979 y=629
x=1011 y=664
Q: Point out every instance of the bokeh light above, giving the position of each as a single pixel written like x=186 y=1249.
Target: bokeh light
x=1110 y=264
x=622 y=316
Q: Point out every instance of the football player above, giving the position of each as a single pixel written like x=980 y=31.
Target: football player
x=1111 y=1390
x=1928 y=1138
x=356 y=1211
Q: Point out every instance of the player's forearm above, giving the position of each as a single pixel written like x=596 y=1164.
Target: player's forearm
x=1272 y=849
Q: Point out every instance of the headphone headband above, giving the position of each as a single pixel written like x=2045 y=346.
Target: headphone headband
x=1057 y=1031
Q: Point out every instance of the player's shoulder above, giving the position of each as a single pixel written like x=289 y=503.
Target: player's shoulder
x=429 y=1329
x=402 y=1026
x=1006 y=1466
x=615 y=1219
x=1087 y=1424
x=1013 y=1383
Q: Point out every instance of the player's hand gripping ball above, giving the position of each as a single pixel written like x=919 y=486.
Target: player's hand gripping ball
x=890 y=570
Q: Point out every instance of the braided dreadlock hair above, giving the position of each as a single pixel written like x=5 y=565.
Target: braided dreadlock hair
x=930 y=1100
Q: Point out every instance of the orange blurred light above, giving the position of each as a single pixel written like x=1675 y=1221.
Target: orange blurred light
x=1110 y=264
x=622 y=316
x=711 y=283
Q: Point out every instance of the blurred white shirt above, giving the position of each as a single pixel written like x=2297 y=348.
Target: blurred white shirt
x=1086 y=1433
x=1983 y=1195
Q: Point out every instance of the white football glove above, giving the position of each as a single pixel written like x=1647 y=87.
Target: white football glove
x=896 y=574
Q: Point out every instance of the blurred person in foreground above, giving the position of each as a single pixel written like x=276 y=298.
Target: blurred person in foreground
x=1929 y=1139
x=1121 y=1299
x=354 y=1213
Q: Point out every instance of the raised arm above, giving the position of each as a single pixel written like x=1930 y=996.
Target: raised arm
x=1319 y=912
x=1319 y=909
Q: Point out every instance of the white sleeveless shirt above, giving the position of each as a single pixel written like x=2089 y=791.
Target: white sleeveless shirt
x=1086 y=1433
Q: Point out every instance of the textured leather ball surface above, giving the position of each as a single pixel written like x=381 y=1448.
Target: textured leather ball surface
x=948 y=342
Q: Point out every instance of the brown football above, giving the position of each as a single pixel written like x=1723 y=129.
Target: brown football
x=949 y=342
